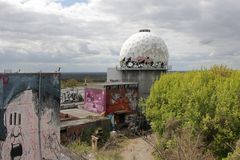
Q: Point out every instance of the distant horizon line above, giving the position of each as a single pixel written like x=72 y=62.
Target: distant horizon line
x=84 y=72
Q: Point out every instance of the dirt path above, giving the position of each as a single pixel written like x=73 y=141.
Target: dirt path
x=137 y=149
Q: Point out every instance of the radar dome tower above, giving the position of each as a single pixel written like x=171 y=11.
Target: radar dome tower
x=144 y=50
x=143 y=58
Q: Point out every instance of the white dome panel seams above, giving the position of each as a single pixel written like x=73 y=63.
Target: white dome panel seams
x=144 y=49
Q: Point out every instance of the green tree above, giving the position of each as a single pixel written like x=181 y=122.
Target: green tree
x=207 y=100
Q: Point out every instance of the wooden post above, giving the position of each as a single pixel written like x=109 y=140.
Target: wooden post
x=94 y=143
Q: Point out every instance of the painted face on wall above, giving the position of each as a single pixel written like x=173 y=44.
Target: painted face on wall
x=16 y=150
x=20 y=121
x=29 y=128
x=22 y=131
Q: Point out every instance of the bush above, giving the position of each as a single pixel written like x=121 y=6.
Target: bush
x=207 y=100
x=79 y=147
x=183 y=145
x=236 y=154
x=70 y=83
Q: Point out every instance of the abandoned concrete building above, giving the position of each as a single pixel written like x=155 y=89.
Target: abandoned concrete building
x=143 y=58
x=33 y=122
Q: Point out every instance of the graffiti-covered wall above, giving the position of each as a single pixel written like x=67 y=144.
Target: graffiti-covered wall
x=71 y=95
x=29 y=116
x=94 y=100
x=121 y=97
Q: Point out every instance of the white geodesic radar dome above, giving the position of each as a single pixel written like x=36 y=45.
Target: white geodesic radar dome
x=144 y=49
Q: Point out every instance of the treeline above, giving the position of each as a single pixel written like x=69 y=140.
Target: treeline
x=70 y=83
x=196 y=114
x=81 y=79
x=81 y=76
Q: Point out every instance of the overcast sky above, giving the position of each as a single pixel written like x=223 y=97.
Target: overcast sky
x=86 y=35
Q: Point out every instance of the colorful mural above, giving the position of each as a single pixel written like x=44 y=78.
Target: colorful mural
x=121 y=98
x=95 y=100
x=141 y=62
x=29 y=116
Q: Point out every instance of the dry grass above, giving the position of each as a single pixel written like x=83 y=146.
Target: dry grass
x=183 y=146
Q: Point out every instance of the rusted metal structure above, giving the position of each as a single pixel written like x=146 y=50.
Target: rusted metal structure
x=29 y=116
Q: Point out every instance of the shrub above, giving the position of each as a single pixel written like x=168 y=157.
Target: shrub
x=69 y=83
x=79 y=147
x=207 y=100
x=183 y=145
x=236 y=154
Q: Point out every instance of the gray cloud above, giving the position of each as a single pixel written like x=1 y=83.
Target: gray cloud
x=206 y=41
x=89 y=35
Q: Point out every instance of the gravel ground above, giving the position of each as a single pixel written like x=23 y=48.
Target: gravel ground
x=137 y=149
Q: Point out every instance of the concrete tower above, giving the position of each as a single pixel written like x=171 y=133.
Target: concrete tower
x=143 y=58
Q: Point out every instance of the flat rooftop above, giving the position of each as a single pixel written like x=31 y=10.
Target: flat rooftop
x=117 y=83
x=82 y=116
x=102 y=85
